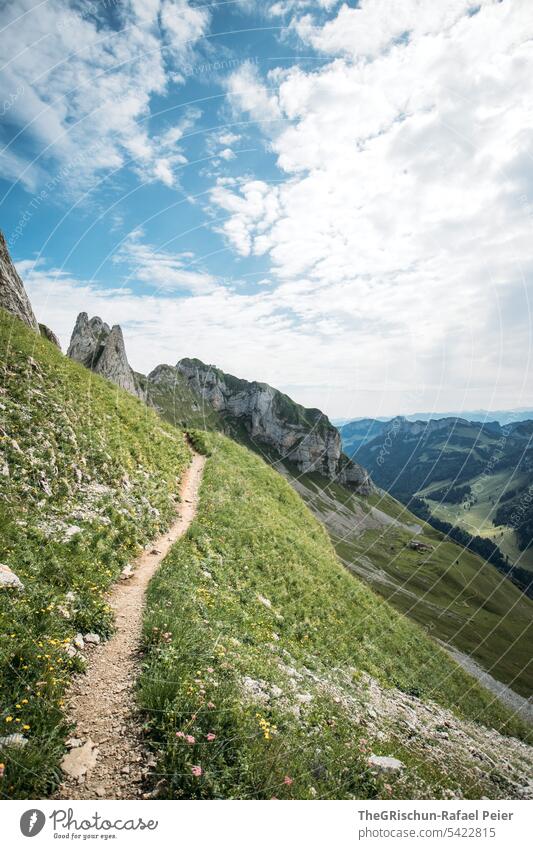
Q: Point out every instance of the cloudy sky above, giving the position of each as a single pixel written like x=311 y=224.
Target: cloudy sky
x=333 y=197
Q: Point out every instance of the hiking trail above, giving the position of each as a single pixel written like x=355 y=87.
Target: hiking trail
x=107 y=757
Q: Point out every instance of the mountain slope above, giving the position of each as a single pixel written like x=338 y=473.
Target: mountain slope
x=450 y=590
x=266 y=417
x=453 y=593
x=88 y=475
x=272 y=672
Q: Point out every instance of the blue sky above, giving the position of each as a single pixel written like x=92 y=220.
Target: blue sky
x=335 y=198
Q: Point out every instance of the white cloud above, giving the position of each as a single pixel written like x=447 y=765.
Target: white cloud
x=327 y=357
x=246 y=92
x=88 y=87
x=228 y=138
x=286 y=7
x=374 y=25
x=184 y=24
x=227 y=154
x=399 y=224
x=161 y=270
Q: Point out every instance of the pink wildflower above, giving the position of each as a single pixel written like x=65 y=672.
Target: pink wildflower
x=288 y=780
x=190 y=739
x=210 y=669
x=196 y=771
x=180 y=734
x=211 y=737
x=210 y=705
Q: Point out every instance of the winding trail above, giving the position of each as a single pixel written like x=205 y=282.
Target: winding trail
x=107 y=758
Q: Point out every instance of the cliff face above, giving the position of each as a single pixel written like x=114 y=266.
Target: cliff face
x=13 y=297
x=301 y=435
x=101 y=348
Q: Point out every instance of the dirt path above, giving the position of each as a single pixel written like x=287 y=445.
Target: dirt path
x=107 y=758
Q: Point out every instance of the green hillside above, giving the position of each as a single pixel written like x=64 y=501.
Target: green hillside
x=88 y=475
x=262 y=649
x=449 y=590
x=255 y=633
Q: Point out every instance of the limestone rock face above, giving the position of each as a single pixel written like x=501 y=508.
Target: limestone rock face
x=88 y=340
x=49 y=334
x=352 y=475
x=13 y=297
x=300 y=435
x=101 y=348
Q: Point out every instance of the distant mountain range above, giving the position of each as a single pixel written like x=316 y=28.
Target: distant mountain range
x=474 y=476
x=501 y=416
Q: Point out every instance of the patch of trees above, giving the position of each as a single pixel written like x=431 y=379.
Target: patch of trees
x=518 y=515
x=451 y=494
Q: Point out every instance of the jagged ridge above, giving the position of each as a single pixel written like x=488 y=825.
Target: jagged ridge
x=101 y=348
x=299 y=434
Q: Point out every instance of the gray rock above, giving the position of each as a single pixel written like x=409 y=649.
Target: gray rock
x=383 y=763
x=13 y=741
x=92 y=639
x=101 y=348
x=13 y=297
x=8 y=579
x=79 y=642
x=49 y=334
x=80 y=760
x=303 y=436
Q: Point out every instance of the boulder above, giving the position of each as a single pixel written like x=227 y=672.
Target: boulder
x=13 y=741
x=8 y=579
x=385 y=764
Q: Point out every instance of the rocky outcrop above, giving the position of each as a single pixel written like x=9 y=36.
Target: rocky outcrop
x=302 y=436
x=101 y=348
x=13 y=297
x=49 y=334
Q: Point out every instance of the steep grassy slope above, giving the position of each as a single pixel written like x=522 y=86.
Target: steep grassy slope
x=271 y=671
x=88 y=475
x=449 y=590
